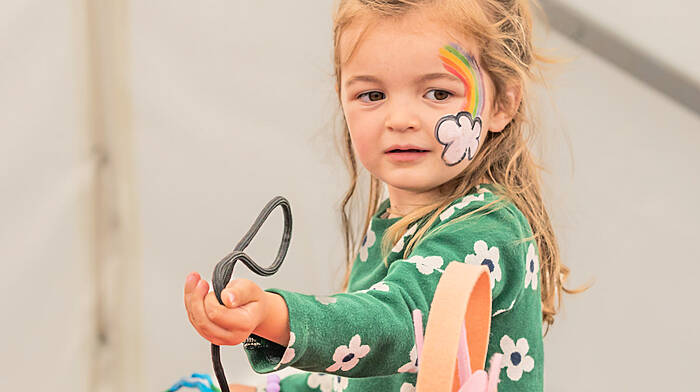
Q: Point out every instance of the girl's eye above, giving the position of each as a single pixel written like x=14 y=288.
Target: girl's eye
x=437 y=95
x=371 y=96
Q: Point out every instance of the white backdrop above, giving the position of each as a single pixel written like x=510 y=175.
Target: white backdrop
x=232 y=104
x=46 y=293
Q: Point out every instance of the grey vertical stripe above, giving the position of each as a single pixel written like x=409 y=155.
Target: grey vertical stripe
x=606 y=44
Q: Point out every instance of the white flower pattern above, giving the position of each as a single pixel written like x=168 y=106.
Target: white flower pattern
x=412 y=365
x=400 y=243
x=483 y=255
x=516 y=358
x=379 y=286
x=532 y=267
x=496 y=313
x=347 y=357
x=466 y=200
x=322 y=381
x=289 y=352
x=339 y=384
x=479 y=189
x=426 y=265
x=326 y=300
x=367 y=243
x=407 y=387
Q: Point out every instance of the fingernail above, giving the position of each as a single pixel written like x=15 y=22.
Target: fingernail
x=230 y=298
x=190 y=277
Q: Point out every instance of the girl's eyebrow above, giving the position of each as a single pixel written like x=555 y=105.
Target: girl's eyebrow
x=361 y=78
x=436 y=76
x=421 y=79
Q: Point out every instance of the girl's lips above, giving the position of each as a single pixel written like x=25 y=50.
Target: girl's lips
x=404 y=147
x=406 y=156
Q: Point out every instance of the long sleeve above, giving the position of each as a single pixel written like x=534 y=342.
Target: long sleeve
x=369 y=332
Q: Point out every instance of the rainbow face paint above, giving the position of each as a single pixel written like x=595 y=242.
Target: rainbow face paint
x=460 y=133
x=462 y=65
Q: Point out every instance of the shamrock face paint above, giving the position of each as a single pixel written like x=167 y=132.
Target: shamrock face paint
x=460 y=136
x=460 y=133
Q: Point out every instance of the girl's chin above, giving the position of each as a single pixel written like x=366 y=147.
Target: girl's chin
x=412 y=185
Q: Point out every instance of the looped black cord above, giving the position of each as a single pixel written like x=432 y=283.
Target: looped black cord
x=224 y=269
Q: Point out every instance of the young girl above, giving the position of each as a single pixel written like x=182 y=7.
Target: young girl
x=433 y=94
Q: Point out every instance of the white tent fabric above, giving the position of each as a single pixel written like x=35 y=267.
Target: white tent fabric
x=47 y=179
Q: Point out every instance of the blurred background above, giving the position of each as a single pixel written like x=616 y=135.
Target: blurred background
x=140 y=139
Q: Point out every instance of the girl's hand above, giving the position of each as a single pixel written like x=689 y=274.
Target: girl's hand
x=245 y=310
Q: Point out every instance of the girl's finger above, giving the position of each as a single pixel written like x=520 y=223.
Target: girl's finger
x=194 y=302
x=191 y=281
x=241 y=319
x=240 y=292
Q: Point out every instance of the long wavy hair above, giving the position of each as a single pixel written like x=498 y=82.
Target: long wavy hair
x=502 y=30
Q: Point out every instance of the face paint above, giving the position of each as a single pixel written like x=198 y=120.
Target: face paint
x=460 y=136
x=460 y=133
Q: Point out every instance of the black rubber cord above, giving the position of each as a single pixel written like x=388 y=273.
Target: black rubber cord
x=224 y=269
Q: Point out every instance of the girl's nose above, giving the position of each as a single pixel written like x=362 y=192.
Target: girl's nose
x=401 y=118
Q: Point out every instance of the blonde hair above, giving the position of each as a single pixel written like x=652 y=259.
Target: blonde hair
x=502 y=30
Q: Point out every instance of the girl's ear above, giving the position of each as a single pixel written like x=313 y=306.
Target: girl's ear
x=504 y=113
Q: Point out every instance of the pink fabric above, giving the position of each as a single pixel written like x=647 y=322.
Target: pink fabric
x=418 y=329
x=480 y=380
x=463 y=362
x=495 y=366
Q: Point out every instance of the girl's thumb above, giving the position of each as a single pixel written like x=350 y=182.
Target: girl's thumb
x=228 y=298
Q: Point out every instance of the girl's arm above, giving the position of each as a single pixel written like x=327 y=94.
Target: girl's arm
x=368 y=333
x=275 y=326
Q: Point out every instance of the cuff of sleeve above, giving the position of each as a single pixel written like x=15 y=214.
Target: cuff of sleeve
x=266 y=356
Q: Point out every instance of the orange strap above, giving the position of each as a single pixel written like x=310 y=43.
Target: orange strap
x=462 y=300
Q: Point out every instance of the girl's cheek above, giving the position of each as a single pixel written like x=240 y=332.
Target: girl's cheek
x=362 y=148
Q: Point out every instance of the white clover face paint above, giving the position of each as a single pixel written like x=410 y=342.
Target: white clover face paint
x=460 y=136
x=460 y=133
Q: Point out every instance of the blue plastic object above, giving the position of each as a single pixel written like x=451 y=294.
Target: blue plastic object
x=202 y=382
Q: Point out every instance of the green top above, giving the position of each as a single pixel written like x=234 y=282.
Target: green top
x=363 y=340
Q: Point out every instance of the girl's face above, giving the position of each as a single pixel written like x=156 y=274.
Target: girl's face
x=395 y=88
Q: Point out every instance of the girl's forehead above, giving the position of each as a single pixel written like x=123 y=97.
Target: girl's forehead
x=403 y=36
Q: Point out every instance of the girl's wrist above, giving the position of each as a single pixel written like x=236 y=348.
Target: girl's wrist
x=275 y=325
